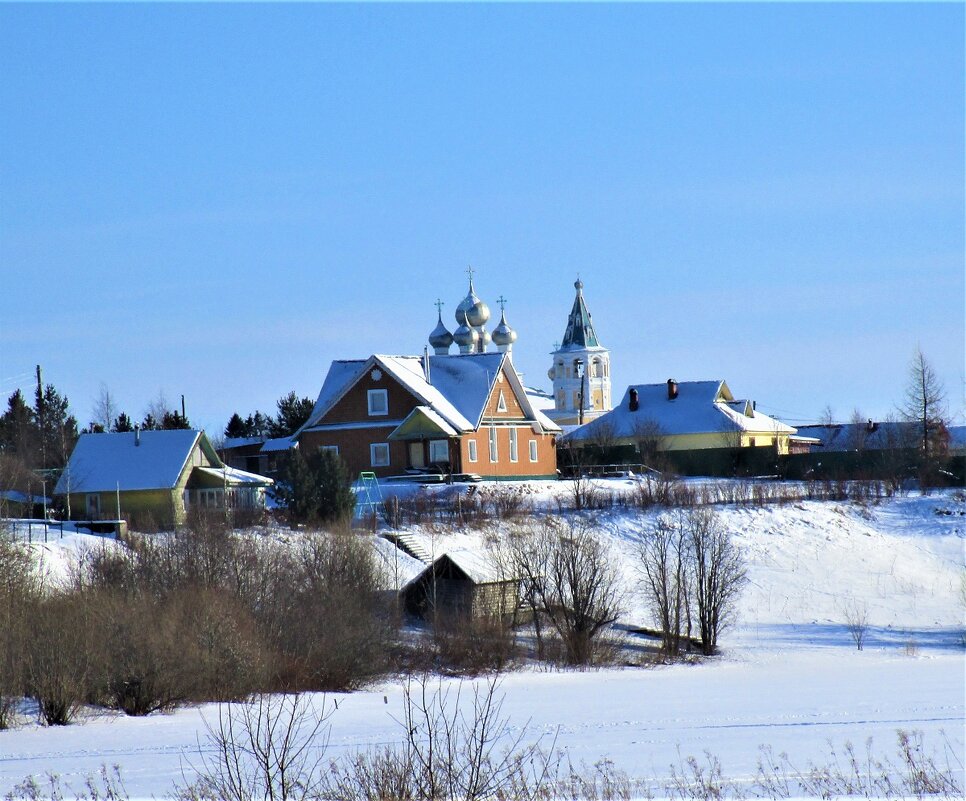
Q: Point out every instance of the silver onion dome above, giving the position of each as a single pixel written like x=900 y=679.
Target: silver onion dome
x=465 y=337
x=440 y=336
x=503 y=335
x=472 y=311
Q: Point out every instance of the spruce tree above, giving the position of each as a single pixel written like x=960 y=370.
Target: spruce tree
x=236 y=427
x=337 y=501
x=18 y=430
x=316 y=489
x=122 y=424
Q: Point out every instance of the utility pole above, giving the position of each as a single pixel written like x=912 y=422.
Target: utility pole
x=582 y=371
x=40 y=421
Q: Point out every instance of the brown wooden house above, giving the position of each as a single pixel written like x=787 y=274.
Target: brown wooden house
x=460 y=414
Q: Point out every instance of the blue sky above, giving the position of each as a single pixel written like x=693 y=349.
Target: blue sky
x=218 y=200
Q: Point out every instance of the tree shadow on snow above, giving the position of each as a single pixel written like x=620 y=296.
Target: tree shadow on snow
x=837 y=635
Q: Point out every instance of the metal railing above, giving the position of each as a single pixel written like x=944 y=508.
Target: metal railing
x=32 y=530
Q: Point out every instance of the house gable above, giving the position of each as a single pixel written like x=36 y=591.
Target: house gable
x=354 y=405
x=503 y=403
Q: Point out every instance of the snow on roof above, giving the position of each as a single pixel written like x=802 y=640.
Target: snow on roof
x=278 y=444
x=457 y=391
x=105 y=462
x=240 y=442
x=884 y=435
x=16 y=496
x=478 y=566
x=342 y=373
x=540 y=400
x=430 y=415
x=236 y=476
x=701 y=407
x=957 y=437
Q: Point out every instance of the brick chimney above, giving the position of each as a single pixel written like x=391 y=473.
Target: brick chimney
x=672 y=389
x=632 y=403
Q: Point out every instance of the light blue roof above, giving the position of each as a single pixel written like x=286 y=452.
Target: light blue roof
x=106 y=462
x=700 y=407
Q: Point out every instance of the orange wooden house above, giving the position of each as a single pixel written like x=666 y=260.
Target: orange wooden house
x=464 y=413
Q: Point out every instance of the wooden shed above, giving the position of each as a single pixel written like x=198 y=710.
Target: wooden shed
x=462 y=583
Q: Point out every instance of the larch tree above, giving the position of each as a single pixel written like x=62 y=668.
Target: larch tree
x=924 y=404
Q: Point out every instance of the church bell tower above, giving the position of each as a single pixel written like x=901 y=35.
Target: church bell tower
x=581 y=369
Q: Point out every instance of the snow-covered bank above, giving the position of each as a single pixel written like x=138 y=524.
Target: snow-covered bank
x=790 y=676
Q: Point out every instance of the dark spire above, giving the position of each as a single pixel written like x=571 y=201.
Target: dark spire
x=580 y=327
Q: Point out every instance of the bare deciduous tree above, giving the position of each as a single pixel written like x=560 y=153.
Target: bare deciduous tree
x=856 y=615
x=651 y=441
x=573 y=580
x=665 y=575
x=924 y=404
x=18 y=586
x=691 y=571
x=858 y=431
x=105 y=409
x=267 y=747
x=719 y=574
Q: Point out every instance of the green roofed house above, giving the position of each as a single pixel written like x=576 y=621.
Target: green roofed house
x=163 y=474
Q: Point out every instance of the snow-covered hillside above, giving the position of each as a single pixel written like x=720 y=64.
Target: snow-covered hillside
x=789 y=676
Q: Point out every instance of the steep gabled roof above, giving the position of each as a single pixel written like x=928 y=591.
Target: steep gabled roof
x=701 y=407
x=457 y=391
x=107 y=462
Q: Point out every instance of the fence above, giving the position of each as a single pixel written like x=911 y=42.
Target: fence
x=30 y=530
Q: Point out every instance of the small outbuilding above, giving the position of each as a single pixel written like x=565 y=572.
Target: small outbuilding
x=462 y=583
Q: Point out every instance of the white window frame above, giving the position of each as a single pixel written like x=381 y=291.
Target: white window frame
x=514 y=450
x=533 y=450
x=501 y=403
x=471 y=452
x=332 y=448
x=378 y=393
x=494 y=446
x=372 y=454
x=436 y=444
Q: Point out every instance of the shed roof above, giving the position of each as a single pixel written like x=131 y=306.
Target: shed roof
x=236 y=477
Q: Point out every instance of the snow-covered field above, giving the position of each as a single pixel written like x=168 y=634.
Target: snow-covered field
x=790 y=676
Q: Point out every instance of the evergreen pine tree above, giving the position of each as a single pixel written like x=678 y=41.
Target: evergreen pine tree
x=18 y=430
x=293 y=411
x=236 y=427
x=122 y=424
x=174 y=421
x=57 y=427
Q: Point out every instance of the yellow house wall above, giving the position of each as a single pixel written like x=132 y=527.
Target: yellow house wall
x=165 y=506
x=693 y=442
